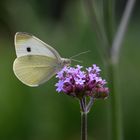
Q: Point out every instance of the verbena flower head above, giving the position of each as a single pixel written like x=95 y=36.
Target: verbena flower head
x=78 y=83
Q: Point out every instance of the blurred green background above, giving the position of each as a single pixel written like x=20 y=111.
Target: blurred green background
x=41 y=113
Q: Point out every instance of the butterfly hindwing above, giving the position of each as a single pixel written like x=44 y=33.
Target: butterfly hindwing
x=34 y=70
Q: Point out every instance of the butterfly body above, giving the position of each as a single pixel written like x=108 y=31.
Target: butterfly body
x=36 y=61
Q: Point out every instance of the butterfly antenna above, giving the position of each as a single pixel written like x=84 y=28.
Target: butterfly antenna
x=79 y=54
x=77 y=60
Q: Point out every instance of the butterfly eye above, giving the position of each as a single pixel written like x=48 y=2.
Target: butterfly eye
x=28 y=49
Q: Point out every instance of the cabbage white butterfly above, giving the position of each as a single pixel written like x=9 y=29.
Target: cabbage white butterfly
x=36 y=61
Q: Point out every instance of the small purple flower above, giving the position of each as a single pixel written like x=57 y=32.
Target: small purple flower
x=96 y=68
x=78 y=83
x=59 y=85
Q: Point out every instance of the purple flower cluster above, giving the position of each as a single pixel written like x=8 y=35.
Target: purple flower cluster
x=78 y=83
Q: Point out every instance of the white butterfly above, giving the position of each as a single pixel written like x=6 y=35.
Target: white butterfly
x=36 y=61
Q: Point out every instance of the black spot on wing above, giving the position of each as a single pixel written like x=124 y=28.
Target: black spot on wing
x=28 y=49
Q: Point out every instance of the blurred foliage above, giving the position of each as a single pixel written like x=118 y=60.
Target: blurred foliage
x=41 y=113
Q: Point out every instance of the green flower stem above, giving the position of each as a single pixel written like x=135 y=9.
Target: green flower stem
x=83 y=125
x=83 y=118
x=82 y=104
x=90 y=104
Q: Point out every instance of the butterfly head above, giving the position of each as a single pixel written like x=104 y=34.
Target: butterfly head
x=66 y=62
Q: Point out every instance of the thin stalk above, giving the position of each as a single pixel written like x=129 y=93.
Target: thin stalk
x=116 y=46
x=84 y=102
x=98 y=29
x=83 y=125
x=109 y=19
x=116 y=132
x=115 y=103
x=83 y=118
x=82 y=105
x=90 y=104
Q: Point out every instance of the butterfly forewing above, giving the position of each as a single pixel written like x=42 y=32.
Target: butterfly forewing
x=35 y=70
x=27 y=44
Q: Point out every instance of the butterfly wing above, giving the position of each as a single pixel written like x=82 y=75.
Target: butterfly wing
x=34 y=70
x=27 y=44
x=36 y=61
